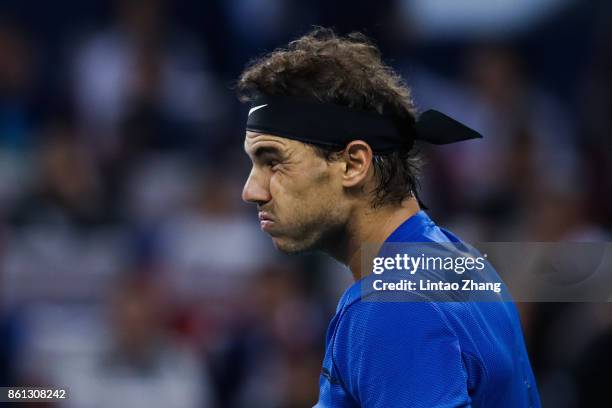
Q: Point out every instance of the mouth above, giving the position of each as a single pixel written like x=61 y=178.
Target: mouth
x=265 y=220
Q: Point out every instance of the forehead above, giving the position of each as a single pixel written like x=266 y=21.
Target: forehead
x=254 y=140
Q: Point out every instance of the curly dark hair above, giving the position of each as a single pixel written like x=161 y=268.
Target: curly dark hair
x=346 y=71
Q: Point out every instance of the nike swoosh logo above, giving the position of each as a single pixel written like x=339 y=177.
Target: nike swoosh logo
x=253 y=109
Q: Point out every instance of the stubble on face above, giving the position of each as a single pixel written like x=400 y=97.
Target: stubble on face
x=306 y=200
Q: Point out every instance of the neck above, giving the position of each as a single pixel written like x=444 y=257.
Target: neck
x=372 y=227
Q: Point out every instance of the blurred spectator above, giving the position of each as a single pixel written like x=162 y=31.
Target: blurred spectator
x=141 y=65
x=17 y=80
x=213 y=247
x=529 y=143
x=68 y=187
x=63 y=236
x=143 y=365
x=272 y=356
x=444 y=19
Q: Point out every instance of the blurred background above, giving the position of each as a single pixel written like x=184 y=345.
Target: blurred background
x=132 y=273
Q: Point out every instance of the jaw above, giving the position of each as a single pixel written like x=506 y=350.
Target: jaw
x=311 y=224
x=292 y=246
x=329 y=240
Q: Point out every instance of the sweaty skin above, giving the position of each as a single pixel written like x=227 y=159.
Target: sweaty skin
x=308 y=203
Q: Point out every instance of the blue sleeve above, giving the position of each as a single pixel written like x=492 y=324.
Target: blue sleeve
x=400 y=355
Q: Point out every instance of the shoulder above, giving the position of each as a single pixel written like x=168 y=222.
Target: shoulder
x=409 y=347
x=369 y=323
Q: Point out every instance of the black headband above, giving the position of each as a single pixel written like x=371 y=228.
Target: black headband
x=333 y=125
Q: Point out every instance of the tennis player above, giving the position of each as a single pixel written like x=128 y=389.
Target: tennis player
x=331 y=133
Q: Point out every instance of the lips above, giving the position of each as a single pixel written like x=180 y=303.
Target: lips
x=265 y=220
x=264 y=216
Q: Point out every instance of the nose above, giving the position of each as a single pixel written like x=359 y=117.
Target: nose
x=256 y=189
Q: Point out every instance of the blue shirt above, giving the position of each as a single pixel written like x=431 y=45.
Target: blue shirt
x=424 y=354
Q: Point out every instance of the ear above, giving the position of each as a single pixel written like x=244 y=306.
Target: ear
x=358 y=159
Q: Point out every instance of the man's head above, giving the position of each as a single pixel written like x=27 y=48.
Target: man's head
x=307 y=193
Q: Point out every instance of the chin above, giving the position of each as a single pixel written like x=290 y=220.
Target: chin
x=288 y=246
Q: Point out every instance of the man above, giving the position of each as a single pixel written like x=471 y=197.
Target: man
x=330 y=133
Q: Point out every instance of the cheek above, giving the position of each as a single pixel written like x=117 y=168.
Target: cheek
x=304 y=197
x=287 y=191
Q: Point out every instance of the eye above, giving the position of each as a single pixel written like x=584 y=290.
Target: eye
x=273 y=164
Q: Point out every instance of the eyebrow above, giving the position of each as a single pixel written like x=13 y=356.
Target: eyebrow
x=266 y=151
